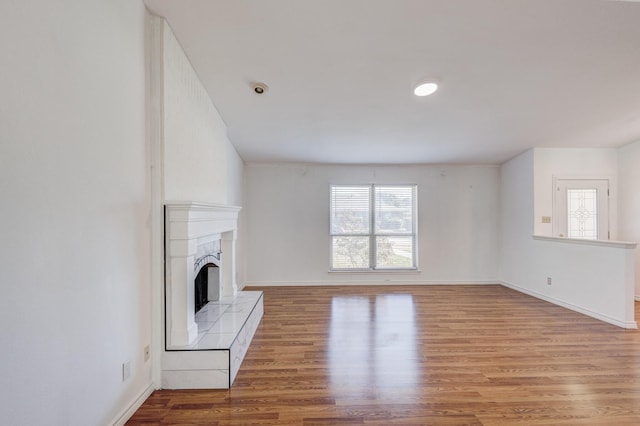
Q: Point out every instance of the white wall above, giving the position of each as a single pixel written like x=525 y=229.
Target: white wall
x=596 y=163
x=629 y=200
x=568 y=163
x=74 y=215
x=516 y=216
x=200 y=163
x=595 y=279
x=287 y=210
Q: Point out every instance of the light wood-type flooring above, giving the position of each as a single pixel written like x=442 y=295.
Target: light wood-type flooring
x=419 y=355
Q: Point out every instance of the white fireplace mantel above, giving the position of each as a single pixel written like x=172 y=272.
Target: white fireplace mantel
x=189 y=224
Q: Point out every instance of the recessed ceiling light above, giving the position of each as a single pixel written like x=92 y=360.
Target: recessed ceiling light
x=425 y=88
x=259 y=88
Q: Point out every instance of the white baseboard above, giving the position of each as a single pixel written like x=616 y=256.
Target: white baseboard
x=130 y=411
x=362 y=283
x=637 y=298
x=584 y=311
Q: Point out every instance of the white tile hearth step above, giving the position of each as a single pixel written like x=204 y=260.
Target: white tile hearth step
x=225 y=330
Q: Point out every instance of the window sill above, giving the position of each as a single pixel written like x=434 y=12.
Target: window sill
x=414 y=271
x=604 y=243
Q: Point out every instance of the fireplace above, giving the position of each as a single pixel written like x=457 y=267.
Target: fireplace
x=199 y=239
x=207 y=350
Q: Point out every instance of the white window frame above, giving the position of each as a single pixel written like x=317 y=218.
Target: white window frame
x=372 y=230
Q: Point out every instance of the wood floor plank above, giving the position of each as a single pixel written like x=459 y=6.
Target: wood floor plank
x=416 y=355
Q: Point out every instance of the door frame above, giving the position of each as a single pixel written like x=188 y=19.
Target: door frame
x=612 y=203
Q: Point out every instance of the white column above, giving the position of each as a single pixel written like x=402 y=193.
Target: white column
x=229 y=288
x=183 y=327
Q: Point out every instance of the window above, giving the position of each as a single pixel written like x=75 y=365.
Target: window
x=582 y=208
x=373 y=227
x=582 y=211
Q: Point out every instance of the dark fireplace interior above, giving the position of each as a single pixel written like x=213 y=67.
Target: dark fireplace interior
x=201 y=286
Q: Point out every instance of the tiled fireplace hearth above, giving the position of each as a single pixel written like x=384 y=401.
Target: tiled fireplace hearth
x=204 y=350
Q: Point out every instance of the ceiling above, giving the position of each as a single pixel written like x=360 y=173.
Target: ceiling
x=513 y=74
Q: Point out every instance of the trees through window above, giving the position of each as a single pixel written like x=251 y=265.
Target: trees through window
x=373 y=227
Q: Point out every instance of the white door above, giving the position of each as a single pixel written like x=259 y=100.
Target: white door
x=583 y=208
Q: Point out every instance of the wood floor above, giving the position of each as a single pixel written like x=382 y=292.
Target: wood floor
x=419 y=355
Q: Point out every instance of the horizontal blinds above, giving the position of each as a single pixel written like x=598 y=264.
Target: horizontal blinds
x=356 y=243
x=350 y=209
x=394 y=207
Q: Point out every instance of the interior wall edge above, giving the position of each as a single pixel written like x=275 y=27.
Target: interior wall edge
x=366 y=282
x=579 y=309
x=129 y=411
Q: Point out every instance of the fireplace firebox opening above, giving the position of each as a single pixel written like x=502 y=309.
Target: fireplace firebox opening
x=206 y=284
